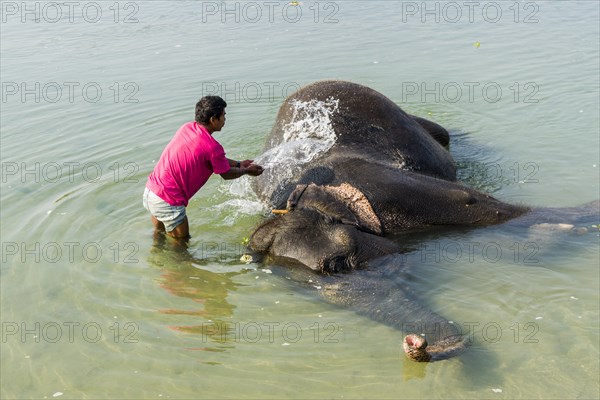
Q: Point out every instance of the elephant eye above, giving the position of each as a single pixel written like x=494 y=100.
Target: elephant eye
x=335 y=264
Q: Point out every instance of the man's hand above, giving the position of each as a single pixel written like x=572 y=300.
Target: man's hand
x=246 y=163
x=252 y=169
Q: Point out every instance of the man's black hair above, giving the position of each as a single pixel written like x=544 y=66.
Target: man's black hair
x=208 y=107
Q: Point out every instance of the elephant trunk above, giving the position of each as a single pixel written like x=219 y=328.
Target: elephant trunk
x=417 y=349
x=430 y=337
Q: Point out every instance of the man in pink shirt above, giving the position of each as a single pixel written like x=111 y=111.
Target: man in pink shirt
x=185 y=165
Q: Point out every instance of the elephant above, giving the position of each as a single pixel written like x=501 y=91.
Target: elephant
x=349 y=168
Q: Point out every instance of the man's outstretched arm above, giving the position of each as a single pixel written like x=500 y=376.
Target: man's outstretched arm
x=240 y=168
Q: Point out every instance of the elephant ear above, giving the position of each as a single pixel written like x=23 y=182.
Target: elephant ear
x=287 y=180
x=319 y=198
x=262 y=238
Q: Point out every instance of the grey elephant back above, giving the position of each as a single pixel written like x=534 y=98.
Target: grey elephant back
x=327 y=122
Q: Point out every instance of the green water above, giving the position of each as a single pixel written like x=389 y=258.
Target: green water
x=93 y=307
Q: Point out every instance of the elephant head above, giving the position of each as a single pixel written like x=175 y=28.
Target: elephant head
x=322 y=234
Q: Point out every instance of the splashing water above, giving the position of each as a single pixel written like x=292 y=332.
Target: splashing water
x=311 y=120
x=308 y=134
x=229 y=212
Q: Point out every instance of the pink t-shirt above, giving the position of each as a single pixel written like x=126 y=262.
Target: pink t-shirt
x=185 y=165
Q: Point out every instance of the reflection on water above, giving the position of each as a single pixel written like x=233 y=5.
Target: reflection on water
x=183 y=276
